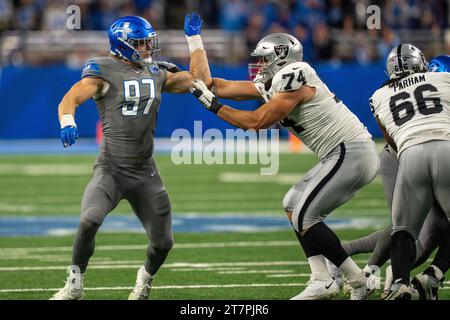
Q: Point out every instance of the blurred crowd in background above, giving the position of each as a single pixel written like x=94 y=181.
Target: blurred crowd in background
x=330 y=30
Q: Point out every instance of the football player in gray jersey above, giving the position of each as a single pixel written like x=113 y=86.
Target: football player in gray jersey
x=127 y=86
x=296 y=97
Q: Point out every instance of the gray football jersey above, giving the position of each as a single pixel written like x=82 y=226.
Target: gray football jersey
x=128 y=107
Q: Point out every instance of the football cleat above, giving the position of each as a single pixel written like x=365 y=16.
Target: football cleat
x=372 y=274
x=336 y=273
x=427 y=285
x=143 y=285
x=401 y=291
x=362 y=287
x=73 y=290
x=319 y=290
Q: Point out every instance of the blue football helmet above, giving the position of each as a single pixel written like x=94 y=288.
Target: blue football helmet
x=439 y=64
x=129 y=33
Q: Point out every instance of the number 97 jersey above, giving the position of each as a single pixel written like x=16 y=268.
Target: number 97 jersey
x=414 y=109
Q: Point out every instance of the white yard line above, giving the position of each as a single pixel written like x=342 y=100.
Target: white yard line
x=176 y=266
x=254 y=271
x=16 y=251
x=200 y=286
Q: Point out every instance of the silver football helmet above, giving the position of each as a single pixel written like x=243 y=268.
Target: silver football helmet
x=274 y=52
x=405 y=59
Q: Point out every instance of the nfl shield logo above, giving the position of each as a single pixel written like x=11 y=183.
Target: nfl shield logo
x=153 y=68
x=281 y=51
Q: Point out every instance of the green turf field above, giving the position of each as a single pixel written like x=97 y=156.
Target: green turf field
x=238 y=265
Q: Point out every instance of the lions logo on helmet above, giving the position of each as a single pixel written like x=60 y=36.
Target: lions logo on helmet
x=127 y=33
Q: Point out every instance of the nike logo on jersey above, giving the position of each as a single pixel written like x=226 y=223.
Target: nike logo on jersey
x=328 y=286
x=153 y=173
x=295 y=68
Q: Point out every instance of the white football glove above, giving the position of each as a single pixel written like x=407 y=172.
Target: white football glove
x=205 y=96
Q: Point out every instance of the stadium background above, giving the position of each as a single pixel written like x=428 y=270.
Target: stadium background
x=230 y=231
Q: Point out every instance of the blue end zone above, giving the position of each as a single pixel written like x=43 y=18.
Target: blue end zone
x=45 y=226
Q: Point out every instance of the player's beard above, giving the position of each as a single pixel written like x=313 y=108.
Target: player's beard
x=147 y=60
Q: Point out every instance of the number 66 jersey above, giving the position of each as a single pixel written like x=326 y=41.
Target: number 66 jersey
x=322 y=122
x=414 y=109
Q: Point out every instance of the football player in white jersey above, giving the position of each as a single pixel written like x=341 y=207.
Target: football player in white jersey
x=378 y=242
x=297 y=98
x=413 y=111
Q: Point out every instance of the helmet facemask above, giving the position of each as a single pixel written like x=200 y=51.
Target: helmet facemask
x=144 y=49
x=258 y=70
x=265 y=68
x=275 y=51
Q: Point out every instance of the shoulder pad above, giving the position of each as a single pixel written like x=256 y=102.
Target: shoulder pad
x=291 y=77
x=92 y=68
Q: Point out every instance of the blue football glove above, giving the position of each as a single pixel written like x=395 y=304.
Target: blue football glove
x=192 y=24
x=68 y=135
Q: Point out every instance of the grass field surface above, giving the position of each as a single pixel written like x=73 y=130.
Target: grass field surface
x=202 y=265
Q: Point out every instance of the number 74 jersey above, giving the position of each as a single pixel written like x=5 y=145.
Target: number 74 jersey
x=414 y=109
x=322 y=122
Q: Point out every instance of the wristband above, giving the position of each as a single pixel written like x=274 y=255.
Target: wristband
x=67 y=120
x=194 y=43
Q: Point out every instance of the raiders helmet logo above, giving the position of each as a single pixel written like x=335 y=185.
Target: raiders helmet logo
x=281 y=51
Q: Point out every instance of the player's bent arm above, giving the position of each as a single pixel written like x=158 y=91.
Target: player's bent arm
x=269 y=113
x=235 y=90
x=78 y=94
x=386 y=135
x=179 y=82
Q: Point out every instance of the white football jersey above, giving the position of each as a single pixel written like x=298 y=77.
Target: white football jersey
x=415 y=109
x=321 y=123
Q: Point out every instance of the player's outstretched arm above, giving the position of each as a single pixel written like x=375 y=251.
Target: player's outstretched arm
x=180 y=82
x=265 y=116
x=235 y=90
x=78 y=94
x=199 y=65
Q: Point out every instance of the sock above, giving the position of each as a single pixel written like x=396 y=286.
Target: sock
x=351 y=270
x=325 y=242
x=155 y=259
x=309 y=248
x=319 y=270
x=442 y=258
x=382 y=251
x=403 y=254
x=362 y=245
x=84 y=244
